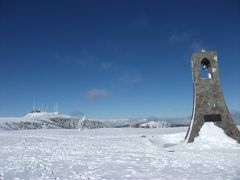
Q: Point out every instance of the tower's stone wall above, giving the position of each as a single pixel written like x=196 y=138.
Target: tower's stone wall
x=209 y=103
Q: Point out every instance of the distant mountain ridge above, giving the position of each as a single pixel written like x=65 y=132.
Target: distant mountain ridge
x=45 y=120
x=135 y=122
x=53 y=120
x=175 y=121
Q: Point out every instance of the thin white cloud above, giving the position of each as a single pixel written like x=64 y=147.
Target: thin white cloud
x=131 y=78
x=179 y=37
x=97 y=94
x=84 y=59
x=196 y=46
x=141 y=23
x=190 y=39
x=106 y=65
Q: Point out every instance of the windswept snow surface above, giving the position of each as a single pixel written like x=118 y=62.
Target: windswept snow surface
x=124 y=153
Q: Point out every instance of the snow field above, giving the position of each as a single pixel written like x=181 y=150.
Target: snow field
x=125 y=153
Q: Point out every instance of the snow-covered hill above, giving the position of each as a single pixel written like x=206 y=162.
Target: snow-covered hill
x=118 y=153
x=47 y=120
x=135 y=122
x=153 y=124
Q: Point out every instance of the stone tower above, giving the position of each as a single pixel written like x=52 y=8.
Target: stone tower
x=209 y=104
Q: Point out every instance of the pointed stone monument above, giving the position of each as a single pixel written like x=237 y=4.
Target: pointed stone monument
x=209 y=104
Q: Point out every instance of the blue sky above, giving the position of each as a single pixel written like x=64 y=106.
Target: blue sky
x=113 y=58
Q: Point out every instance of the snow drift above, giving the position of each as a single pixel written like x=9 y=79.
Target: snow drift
x=212 y=137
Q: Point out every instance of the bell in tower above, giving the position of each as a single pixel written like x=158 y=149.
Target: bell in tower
x=209 y=104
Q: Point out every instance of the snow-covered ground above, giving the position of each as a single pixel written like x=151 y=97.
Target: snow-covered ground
x=123 y=153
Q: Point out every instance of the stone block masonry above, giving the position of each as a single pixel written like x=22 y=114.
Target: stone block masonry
x=209 y=104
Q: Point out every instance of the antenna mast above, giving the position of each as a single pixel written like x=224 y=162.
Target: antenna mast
x=33 y=108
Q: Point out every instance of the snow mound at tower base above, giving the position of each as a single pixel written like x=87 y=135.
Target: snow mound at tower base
x=211 y=136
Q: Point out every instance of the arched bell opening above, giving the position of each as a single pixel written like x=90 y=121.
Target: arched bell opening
x=206 y=69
